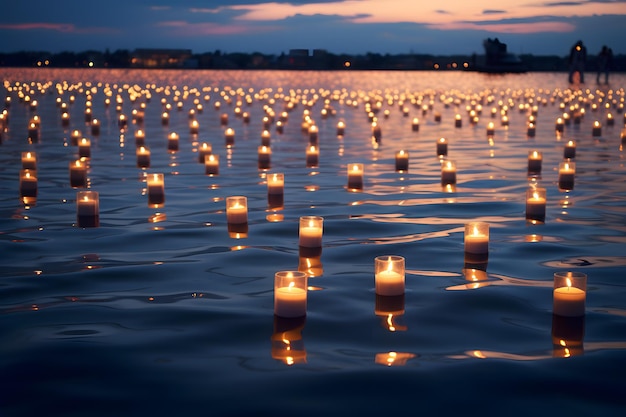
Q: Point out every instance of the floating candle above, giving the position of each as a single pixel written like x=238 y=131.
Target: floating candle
x=389 y=275
x=442 y=147
x=275 y=183
x=597 y=129
x=448 y=172
x=567 y=171
x=535 y=159
x=458 y=122
x=476 y=241
x=341 y=128
x=290 y=294
x=28 y=183
x=570 y=291
x=87 y=209
x=95 y=127
x=355 y=176
x=569 y=150
x=266 y=138
x=143 y=157
x=29 y=160
x=204 y=150
x=236 y=210
x=229 y=137
x=140 y=138
x=84 y=148
x=212 y=164
x=311 y=231
x=491 y=130
x=264 y=157
x=78 y=174
x=402 y=160
x=312 y=156
x=415 y=124
x=156 y=189
x=536 y=204
x=194 y=127
x=173 y=142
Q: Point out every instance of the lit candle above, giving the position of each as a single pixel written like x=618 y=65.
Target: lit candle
x=341 y=128
x=172 y=142
x=312 y=156
x=559 y=125
x=536 y=204
x=78 y=174
x=448 y=172
x=28 y=183
x=402 y=161
x=531 y=131
x=264 y=157
x=535 y=159
x=569 y=150
x=194 y=127
x=275 y=183
x=491 y=130
x=212 y=164
x=290 y=293
x=567 y=170
x=224 y=119
x=570 y=291
x=87 y=209
x=204 y=150
x=355 y=176
x=84 y=148
x=95 y=127
x=476 y=241
x=29 y=160
x=266 y=138
x=610 y=121
x=458 y=122
x=313 y=134
x=389 y=275
x=143 y=157
x=140 y=138
x=311 y=231
x=165 y=118
x=75 y=137
x=156 y=189
x=415 y=124
x=597 y=129
x=122 y=122
x=229 y=137
x=33 y=132
x=237 y=210
x=65 y=119
x=442 y=147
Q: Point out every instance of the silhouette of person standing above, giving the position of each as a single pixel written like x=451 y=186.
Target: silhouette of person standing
x=604 y=63
x=577 y=58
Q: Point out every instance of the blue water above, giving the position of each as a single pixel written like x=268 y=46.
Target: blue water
x=161 y=311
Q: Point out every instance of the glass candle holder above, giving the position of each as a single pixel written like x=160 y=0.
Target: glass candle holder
x=29 y=160
x=229 y=137
x=143 y=157
x=442 y=147
x=264 y=156
x=290 y=293
x=78 y=174
x=341 y=128
x=140 y=138
x=87 y=209
x=312 y=156
x=266 y=138
x=389 y=275
x=355 y=176
x=535 y=159
x=311 y=231
x=204 y=150
x=95 y=127
x=173 y=142
x=28 y=183
x=536 y=204
x=84 y=148
x=236 y=209
x=212 y=164
x=567 y=171
x=570 y=293
x=275 y=183
x=402 y=160
x=448 y=172
x=476 y=241
x=596 y=130
x=569 y=150
x=156 y=188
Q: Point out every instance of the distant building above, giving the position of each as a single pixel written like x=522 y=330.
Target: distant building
x=160 y=58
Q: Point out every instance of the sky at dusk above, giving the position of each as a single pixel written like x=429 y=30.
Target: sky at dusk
x=540 y=27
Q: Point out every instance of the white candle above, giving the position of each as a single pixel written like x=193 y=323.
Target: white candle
x=536 y=204
x=355 y=176
x=311 y=231
x=290 y=294
x=389 y=275
x=448 y=172
x=275 y=183
x=567 y=170
x=78 y=173
x=87 y=209
x=477 y=240
x=237 y=210
x=570 y=291
x=212 y=164
x=402 y=161
x=156 y=189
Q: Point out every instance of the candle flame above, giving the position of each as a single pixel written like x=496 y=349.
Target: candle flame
x=566 y=166
x=536 y=196
x=475 y=231
x=535 y=154
x=85 y=198
x=28 y=155
x=355 y=168
x=568 y=282
x=442 y=140
x=292 y=284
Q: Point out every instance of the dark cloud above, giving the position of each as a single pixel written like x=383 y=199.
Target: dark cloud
x=491 y=11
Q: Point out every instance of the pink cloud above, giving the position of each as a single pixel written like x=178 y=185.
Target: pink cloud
x=57 y=27
x=536 y=27
x=181 y=28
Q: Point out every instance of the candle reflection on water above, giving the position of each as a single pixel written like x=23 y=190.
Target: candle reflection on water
x=287 y=341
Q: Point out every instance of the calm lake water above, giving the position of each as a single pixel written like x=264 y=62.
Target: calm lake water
x=169 y=311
